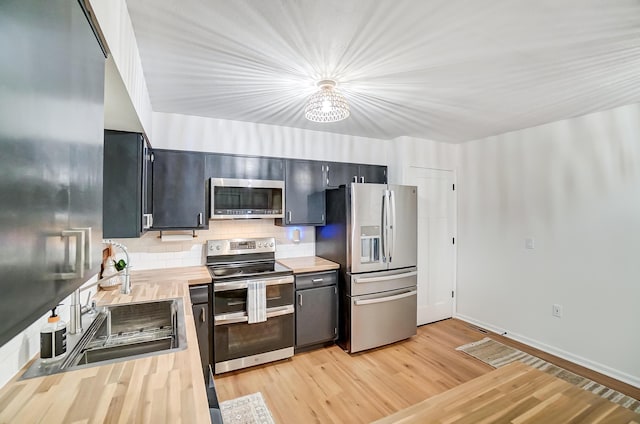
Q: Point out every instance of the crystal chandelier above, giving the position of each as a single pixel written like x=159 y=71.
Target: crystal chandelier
x=327 y=104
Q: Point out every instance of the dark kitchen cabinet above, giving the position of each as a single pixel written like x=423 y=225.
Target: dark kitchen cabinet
x=316 y=309
x=244 y=167
x=127 y=194
x=340 y=173
x=374 y=174
x=51 y=139
x=200 y=298
x=179 y=190
x=304 y=193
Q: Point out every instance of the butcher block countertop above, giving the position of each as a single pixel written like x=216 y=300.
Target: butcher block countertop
x=308 y=264
x=165 y=388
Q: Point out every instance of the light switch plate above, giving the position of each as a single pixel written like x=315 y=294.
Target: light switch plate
x=529 y=243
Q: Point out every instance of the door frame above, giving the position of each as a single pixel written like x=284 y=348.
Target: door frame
x=407 y=171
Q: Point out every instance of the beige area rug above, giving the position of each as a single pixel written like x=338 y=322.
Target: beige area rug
x=497 y=355
x=249 y=409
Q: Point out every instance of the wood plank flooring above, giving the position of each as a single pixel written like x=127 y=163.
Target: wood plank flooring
x=515 y=393
x=331 y=386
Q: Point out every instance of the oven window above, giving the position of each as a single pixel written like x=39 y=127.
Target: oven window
x=230 y=301
x=233 y=341
x=246 y=198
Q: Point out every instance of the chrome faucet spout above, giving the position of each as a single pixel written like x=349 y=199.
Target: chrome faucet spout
x=126 y=282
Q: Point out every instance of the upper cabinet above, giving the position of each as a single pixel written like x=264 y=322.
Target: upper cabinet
x=51 y=139
x=179 y=190
x=128 y=175
x=304 y=193
x=340 y=173
x=244 y=167
x=374 y=174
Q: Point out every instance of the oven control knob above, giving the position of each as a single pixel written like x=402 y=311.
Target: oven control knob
x=259 y=244
x=218 y=247
x=271 y=244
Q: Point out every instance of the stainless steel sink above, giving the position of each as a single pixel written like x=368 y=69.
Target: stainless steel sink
x=122 y=332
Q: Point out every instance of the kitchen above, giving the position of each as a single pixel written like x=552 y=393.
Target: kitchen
x=481 y=220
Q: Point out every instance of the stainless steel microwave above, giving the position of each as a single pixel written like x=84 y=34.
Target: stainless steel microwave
x=233 y=198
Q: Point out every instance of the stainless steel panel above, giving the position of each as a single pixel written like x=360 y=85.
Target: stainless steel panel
x=382 y=318
x=243 y=317
x=375 y=282
x=404 y=222
x=366 y=214
x=249 y=361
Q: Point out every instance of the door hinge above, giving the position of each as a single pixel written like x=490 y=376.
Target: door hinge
x=454 y=187
x=451 y=293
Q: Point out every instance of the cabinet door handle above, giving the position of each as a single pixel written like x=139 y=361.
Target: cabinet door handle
x=79 y=263
x=288 y=216
x=203 y=316
x=327 y=184
x=362 y=180
x=317 y=280
x=355 y=179
x=300 y=299
x=200 y=218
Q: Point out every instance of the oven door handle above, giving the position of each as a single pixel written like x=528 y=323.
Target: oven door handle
x=242 y=316
x=240 y=285
x=385 y=299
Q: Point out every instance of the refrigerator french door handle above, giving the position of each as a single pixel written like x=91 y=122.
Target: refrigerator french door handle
x=385 y=226
x=392 y=197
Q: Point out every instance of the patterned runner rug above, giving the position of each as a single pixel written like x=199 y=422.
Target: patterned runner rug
x=249 y=409
x=497 y=355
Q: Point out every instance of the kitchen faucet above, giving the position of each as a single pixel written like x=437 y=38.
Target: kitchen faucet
x=77 y=310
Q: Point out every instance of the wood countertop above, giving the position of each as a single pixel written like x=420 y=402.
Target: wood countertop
x=308 y=264
x=165 y=388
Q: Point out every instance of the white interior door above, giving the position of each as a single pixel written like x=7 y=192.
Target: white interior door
x=436 y=250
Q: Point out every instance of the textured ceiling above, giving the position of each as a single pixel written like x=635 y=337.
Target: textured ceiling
x=446 y=70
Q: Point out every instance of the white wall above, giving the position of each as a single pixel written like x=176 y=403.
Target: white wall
x=185 y=132
x=115 y=23
x=405 y=152
x=573 y=186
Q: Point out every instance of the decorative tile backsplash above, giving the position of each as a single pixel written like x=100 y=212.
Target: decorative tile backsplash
x=150 y=252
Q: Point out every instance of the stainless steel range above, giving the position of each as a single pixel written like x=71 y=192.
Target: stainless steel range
x=238 y=267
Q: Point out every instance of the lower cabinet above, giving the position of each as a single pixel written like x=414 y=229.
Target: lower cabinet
x=202 y=317
x=316 y=309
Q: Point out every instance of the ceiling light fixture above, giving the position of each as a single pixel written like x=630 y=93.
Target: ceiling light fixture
x=327 y=104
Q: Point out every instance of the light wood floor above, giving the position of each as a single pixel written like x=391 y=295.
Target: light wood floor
x=331 y=386
x=518 y=394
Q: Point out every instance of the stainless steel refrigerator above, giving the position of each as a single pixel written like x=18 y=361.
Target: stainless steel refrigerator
x=371 y=231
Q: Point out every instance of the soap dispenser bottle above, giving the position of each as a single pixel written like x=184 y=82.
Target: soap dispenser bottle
x=53 y=339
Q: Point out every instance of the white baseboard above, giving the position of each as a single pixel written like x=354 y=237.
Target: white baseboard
x=592 y=365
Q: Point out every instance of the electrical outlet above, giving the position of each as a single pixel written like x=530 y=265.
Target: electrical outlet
x=557 y=310
x=529 y=243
